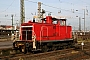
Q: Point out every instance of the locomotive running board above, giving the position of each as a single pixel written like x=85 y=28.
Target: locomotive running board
x=26 y=26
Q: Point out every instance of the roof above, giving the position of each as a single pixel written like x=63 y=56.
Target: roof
x=54 y=19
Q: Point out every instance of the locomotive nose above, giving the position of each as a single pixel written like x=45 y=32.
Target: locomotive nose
x=26 y=32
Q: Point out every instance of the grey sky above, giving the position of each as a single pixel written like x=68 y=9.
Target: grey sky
x=67 y=7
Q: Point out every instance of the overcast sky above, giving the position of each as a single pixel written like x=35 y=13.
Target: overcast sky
x=67 y=7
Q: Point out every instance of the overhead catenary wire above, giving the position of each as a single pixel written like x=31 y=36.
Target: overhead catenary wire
x=53 y=6
x=87 y=4
x=8 y=6
x=50 y=6
x=31 y=1
x=47 y=5
x=44 y=5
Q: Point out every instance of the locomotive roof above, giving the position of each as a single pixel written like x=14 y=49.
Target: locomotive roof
x=54 y=19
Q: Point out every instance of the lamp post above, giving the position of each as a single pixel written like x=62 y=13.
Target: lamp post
x=12 y=24
x=79 y=22
x=84 y=21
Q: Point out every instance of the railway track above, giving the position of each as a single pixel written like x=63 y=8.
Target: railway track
x=6 y=45
x=66 y=54
x=43 y=56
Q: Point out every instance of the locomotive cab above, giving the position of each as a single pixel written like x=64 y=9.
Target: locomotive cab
x=61 y=22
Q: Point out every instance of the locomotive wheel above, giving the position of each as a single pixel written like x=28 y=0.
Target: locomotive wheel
x=44 y=49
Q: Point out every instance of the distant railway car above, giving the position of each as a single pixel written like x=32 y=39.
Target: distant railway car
x=50 y=34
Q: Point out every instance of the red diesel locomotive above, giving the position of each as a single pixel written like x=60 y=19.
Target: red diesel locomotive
x=50 y=34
